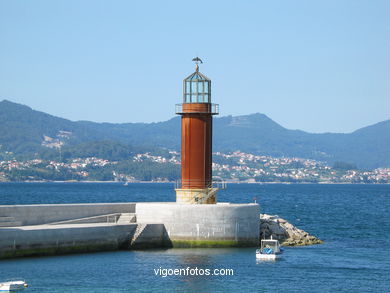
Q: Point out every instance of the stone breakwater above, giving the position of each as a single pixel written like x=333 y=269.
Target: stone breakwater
x=286 y=233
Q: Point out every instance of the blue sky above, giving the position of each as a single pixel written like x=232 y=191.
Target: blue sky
x=319 y=66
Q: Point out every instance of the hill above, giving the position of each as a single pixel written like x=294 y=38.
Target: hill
x=29 y=133
x=367 y=147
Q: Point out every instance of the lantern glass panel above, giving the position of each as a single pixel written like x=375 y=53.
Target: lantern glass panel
x=200 y=87
x=194 y=88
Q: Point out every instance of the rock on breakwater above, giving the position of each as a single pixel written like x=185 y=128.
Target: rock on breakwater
x=285 y=232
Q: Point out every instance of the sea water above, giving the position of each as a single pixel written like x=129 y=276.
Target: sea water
x=353 y=220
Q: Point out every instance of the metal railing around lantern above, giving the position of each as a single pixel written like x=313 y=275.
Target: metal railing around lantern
x=213 y=109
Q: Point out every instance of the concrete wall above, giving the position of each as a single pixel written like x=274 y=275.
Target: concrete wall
x=43 y=214
x=72 y=238
x=215 y=225
x=51 y=240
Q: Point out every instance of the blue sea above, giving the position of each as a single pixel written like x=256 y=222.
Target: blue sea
x=353 y=220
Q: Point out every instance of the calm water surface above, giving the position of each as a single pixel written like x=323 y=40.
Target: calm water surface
x=353 y=220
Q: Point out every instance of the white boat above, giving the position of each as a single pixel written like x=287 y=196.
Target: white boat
x=269 y=250
x=13 y=286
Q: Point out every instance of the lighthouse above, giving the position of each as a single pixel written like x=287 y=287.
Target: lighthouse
x=196 y=185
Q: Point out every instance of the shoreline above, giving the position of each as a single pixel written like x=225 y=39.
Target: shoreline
x=173 y=182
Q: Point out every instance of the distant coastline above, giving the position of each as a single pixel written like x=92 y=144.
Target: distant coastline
x=233 y=167
x=173 y=182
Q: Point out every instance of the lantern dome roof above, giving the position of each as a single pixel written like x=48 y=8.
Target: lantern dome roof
x=197 y=76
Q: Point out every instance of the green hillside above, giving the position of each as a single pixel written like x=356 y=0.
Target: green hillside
x=29 y=133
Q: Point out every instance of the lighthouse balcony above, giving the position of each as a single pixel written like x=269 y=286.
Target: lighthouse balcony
x=197 y=108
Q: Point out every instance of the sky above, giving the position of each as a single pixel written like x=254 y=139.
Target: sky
x=318 y=66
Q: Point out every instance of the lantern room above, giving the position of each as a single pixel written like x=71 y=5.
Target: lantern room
x=197 y=88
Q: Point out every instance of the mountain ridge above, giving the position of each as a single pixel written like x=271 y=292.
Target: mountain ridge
x=22 y=131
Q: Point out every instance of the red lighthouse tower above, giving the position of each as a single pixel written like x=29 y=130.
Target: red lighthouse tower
x=196 y=186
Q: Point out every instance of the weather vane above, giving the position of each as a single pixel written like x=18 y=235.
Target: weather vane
x=197 y=60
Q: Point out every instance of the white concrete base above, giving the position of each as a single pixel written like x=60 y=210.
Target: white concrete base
x=215 y=225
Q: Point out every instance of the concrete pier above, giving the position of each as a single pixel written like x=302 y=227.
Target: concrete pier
x=27 y=230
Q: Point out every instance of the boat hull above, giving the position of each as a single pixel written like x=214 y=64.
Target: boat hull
x=12 y=286
x=261 y=256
